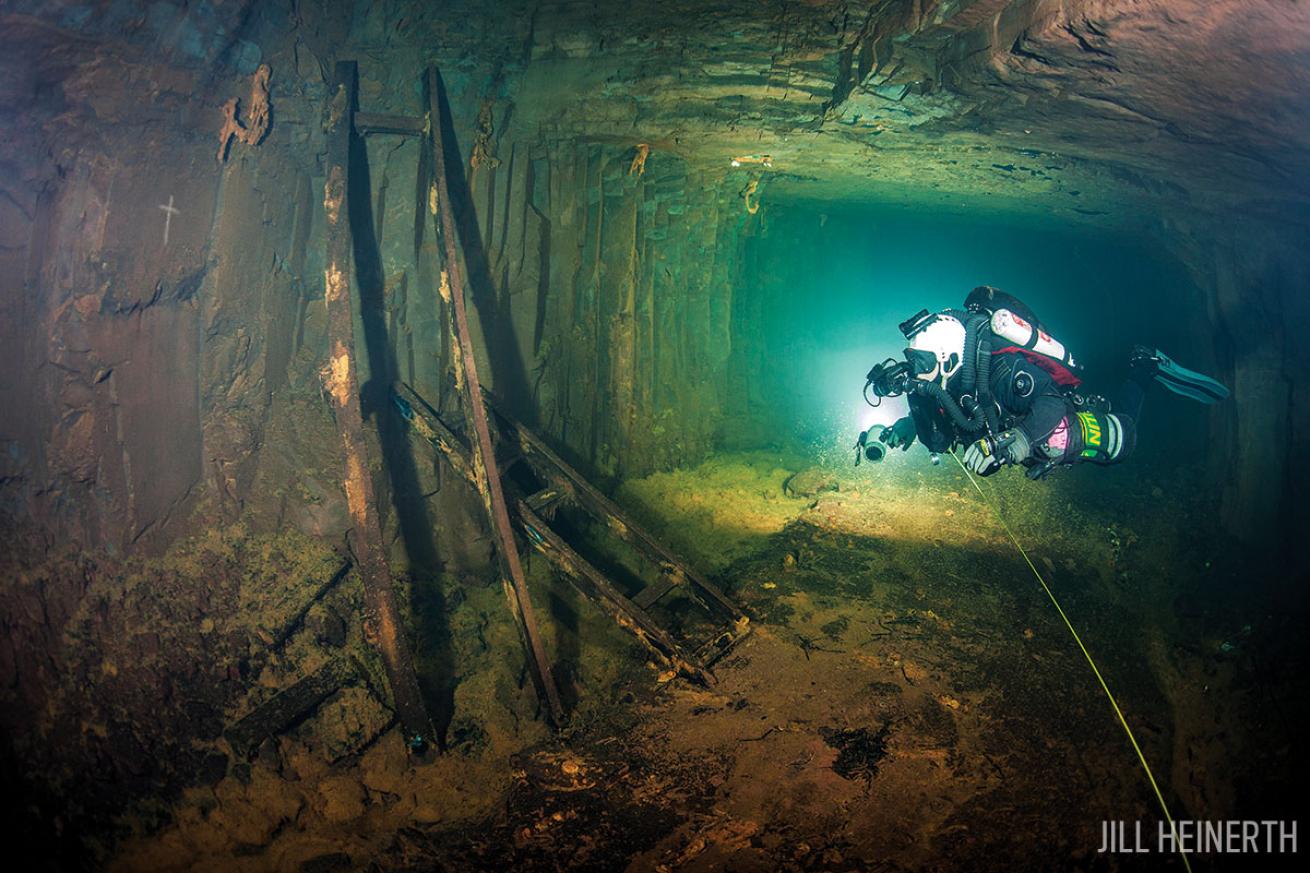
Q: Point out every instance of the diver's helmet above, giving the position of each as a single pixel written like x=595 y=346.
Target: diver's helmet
x=936 y=349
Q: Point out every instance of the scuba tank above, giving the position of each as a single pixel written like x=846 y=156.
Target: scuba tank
x=1090 y=432
x=1014 y=323
x=1037 y=346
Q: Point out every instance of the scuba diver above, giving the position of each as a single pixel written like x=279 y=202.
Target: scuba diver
x=991 y=378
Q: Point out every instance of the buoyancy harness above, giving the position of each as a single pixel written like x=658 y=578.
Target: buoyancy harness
x=994 y=323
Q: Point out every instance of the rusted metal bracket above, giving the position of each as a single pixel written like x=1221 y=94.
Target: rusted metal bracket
x=483 y=456
x=382 y=619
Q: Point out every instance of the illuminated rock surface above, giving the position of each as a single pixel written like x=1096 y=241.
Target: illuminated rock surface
x=696 y=226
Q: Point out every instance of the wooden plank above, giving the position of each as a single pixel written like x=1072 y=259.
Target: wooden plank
x=543 y=499
x=375 y=122
x=483 y=454
x=650 y=595
x=616 y=518
x=628 y=613
x=423 y=419
x=382 y=618
x=601 y=591
x=288 y=706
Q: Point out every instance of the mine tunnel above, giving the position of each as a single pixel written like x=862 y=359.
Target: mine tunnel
x=654 y=436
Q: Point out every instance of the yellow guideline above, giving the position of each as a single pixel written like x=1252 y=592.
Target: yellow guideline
x=1086 y=654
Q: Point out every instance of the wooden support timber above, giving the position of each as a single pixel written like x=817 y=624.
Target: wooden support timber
x=382 y=620
x=483 y=457
x=564 y=486
x=289 y=706
x=372 y=122
x=565 y=478
x=489 y=452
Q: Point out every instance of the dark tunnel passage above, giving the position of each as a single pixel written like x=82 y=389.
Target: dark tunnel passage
x=604 y=580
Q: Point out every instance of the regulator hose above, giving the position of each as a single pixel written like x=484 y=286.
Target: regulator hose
x=970 y=424
x=976 y=369
x=969 y=365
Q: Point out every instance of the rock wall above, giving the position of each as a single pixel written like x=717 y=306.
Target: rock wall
x=159 y=384
x=162 y=313
x=158 y=301
x=1253 y=274
x=612 y=280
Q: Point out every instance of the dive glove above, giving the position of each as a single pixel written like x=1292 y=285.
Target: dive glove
x=900 y=435
x=985 y=456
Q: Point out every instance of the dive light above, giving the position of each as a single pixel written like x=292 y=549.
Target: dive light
x=912 y=325
x=871 y=450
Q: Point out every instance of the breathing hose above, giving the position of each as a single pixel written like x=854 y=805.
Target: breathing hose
x=970 y=424
x=975 y=379
x=969 y=370
x=976 y=369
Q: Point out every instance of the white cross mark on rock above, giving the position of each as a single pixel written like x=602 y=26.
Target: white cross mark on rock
x=169 y=211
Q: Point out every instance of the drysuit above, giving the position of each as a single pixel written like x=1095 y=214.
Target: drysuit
x=1042 y=425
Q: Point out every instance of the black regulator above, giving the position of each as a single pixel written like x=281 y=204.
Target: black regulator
x=892 y=378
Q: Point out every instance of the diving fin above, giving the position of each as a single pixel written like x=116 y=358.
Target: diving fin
x=1177 y=378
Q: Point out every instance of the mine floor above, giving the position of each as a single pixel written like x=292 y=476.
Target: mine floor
x=909 y=698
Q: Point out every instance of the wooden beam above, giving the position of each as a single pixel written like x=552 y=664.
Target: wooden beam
x=629 y=613
x=543 y=499
x=650 y=595
x=484 y=454
x=277 y=714
x=423 y=418
x=382 y=619
x=367 y=123
x=617 y=520
x=602 y=592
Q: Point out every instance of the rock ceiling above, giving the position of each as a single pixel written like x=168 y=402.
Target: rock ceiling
x=1087 y=107
x=1095 y=109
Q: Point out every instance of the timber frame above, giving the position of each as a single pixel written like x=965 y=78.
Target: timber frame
x=475 y=457
x=562 y=486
